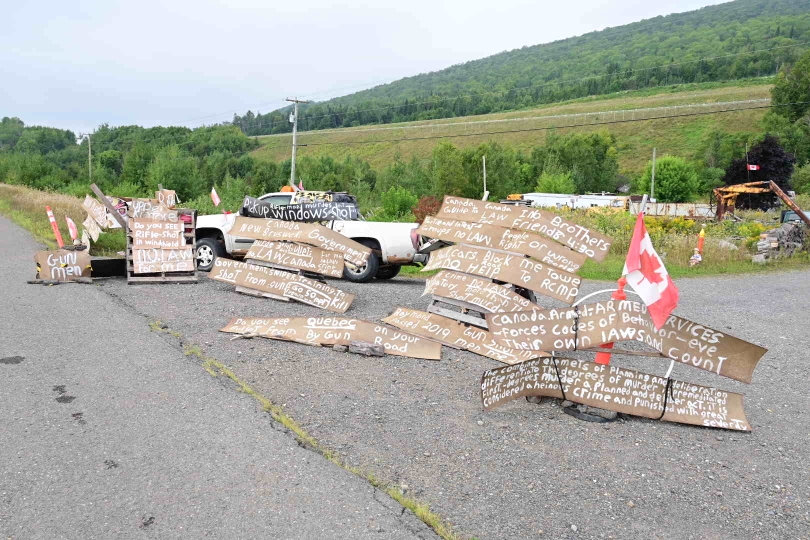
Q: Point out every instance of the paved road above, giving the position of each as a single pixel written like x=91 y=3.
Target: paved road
x=108 y=431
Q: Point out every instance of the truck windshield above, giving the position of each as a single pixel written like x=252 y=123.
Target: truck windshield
x=277 y=200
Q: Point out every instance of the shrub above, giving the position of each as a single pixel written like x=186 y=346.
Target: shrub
x=427 y=206
x=675 y=180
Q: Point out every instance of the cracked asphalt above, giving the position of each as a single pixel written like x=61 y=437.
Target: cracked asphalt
x=109 y=431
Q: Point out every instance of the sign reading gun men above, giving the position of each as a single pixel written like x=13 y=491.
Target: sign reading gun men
x=581 y=239
x=62 y=265
x=616 y=389
x=281 y=284
x=291 y=231
x=306 y=212
x=337 y=331
x=604 y=322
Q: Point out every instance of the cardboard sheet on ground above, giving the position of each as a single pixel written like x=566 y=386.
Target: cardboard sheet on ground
x=153 y=233
x=293 y=231
x=281 y=283
x=617 y=389
x=682 y=340
x=151 y=209
x=493 y=237
x=62 y=265
x=300 y=256
x=337 y=331
x=306 y=212
x=152 y=260
x=480 y=292
x=521 y=271
x=455 y=334
x=581 y=239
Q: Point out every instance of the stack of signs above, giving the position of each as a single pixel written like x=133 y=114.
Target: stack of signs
x=283 y=252
x=159 y=242
x=336 y=331
x=612 y=387
x=98 y=217
x=498 y=249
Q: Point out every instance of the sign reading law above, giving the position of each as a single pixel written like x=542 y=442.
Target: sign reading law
x=337 y=331
x=153 y=260
x=292 y=231
x=521 y=271
x=616 y=389
x=493 y=237
x=604 y=322
x=302 y=257
x=581 y=239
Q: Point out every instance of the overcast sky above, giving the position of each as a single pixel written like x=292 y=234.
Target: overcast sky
x=76 y=64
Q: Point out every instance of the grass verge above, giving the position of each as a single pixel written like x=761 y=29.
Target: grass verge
x=216 y=368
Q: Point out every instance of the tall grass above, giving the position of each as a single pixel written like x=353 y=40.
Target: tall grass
x=26 y=207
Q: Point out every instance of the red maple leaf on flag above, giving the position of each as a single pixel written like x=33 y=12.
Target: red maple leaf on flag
x=649 y=265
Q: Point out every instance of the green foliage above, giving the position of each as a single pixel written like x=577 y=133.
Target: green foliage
x=446 y=170
x=556 y=182
x=791 y=92
x=592 y=160
x=397 y=203
x=173 y=169
x=801 y=180
x=231 y=193
x=675 y=180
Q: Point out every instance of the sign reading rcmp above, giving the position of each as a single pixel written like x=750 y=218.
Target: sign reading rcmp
x=292 y=231
x=617 y=389
x=581 y=239
x=493 y=237
x=521 y=271
x=281 y=283
x=337 y=331
x=682 y=340
x=302 y=257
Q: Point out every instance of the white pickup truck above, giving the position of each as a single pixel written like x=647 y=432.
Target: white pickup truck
x=393 y=244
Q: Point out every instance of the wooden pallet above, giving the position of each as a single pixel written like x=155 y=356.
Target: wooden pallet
x=190 y=235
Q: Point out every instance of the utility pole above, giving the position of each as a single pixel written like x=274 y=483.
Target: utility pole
x=652 y=180
x=89 y=156
x=295 y=101
x=747 y=170
x=484 y=161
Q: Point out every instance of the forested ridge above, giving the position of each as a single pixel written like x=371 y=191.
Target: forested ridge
x=736 y=40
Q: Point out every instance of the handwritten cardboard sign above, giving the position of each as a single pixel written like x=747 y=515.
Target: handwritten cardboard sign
x=154 y=233
x=494 y=237
x=62 y=265
x=281 y=283
x=91 y=226
x=477 y=291
x=522 y=271
x=455 y=334
x=617 y=389
x=98 y=212
x=152 y=260
x=303 y=257
x=166 y=197
x=687 y=342
x=306 y=212
x=151 y=209
x=306 y=233
x=337 y=331
x=581 y=239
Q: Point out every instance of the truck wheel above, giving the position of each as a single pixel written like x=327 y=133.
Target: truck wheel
x=208 y=249
x=388 y=272
x=365 y=273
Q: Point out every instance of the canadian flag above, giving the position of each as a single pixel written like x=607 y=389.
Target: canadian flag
x=74 y=231
x=214 y=196
x=753 y=167
x=646 y=274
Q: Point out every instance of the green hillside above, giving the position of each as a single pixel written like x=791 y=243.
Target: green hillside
x=732 y=41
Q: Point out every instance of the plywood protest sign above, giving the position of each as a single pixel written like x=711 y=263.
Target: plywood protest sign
x=337 y=331
x=151 y=209
x=521 y=271
x=153 y=233
x=476 y=291
x=455 y=334
x=305 y=211
x=590 y=325
x=616 y=389
x=91 y=226
x=281 y=283
x=62 y=265
x=581 y=239
x=494 y=237
x=153 y=260
x=306 y=233
x=302 y=257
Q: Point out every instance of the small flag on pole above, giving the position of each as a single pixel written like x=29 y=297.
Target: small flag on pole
x=74 y=231
x=753 y=167
x=647 y=275
x=214 y=196
x=301 y=185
